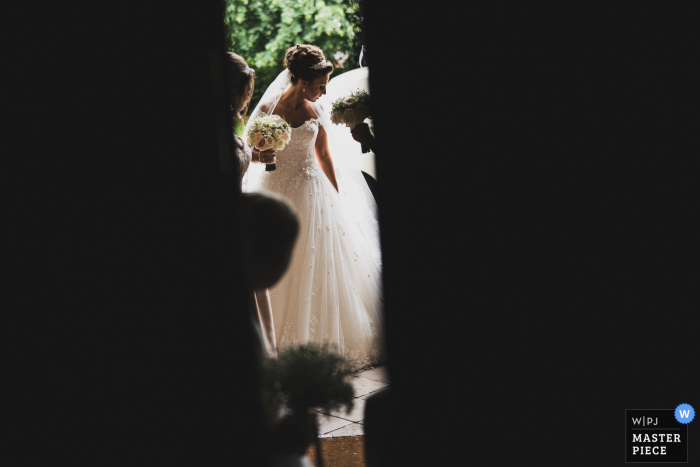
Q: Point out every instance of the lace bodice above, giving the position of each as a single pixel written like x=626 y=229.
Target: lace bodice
x=298 y=156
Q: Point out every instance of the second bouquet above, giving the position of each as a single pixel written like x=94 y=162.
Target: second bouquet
x=269 y=132
x=351 y=110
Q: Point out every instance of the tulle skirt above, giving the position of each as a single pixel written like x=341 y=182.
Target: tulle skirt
x=331 y=292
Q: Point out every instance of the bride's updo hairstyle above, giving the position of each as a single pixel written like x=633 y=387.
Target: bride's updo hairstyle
x=240 y=82
x=301 y=59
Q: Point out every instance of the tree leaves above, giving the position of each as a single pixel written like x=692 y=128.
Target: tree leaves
x=261 y=31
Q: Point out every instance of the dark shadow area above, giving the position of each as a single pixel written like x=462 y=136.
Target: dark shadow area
x=371 y=183
x=537 y=227
x=130 y=338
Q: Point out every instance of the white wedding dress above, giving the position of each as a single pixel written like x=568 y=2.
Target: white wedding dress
x=331 y=292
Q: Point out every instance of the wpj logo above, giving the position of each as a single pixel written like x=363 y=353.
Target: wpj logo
x=657 y=435
x=684 y=413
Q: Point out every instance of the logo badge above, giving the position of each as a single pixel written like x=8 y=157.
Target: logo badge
x=657 y=435
x=685 y=413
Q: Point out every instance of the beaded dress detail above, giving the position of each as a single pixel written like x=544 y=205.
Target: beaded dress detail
x=331 y=292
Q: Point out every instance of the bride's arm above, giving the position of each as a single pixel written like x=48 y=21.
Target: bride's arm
x=323 y=156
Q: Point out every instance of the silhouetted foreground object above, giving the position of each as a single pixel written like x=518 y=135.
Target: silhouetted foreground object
x=302 y=380
x=270 y=231
x=131 y=342
x=538 y=249
x=362 y=134
x=377 y=423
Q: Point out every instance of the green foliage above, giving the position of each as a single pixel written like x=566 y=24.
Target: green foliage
x=261 y=31
x=305 y=377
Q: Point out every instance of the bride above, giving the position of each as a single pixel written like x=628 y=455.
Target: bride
x=331 y=292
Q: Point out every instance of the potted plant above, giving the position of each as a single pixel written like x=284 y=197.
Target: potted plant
x=300 y=381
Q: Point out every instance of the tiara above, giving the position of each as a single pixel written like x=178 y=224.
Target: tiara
x=319 y=66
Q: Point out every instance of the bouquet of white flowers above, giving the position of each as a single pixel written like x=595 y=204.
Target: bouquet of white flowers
x=351 y=110
x=268 y=132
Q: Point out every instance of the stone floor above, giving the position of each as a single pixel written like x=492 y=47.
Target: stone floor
x=337 y=423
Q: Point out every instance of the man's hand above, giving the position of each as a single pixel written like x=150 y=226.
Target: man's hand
x=362 y=135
